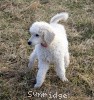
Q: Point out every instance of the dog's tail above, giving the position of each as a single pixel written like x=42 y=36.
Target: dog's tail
x=61 y=16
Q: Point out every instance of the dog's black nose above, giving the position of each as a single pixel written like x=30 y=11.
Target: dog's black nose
x=29 y=42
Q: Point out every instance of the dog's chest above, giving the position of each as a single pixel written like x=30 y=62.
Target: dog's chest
x=45 y=54
x=48 y=54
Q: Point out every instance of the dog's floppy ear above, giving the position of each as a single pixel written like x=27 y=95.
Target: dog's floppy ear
x=48 y=36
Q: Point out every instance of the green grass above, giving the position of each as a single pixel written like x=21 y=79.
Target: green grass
x=16 y=16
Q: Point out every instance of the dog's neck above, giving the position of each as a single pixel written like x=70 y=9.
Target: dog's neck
x=44 y=45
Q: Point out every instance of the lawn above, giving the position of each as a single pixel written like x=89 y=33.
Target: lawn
x=16 y=16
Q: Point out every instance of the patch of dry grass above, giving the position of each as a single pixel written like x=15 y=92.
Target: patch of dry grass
x=16 y=16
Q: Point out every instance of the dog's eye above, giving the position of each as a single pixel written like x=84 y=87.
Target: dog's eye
x=37 y=35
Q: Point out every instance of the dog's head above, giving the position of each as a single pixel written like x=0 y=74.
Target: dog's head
x=41 y=33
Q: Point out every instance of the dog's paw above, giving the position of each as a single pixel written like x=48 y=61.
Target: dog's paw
x=65 y=79
x=37 y=85
x=30 y=65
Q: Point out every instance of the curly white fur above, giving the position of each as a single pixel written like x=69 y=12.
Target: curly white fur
x=51 y=46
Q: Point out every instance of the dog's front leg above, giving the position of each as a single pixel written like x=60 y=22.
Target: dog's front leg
x=32 y=59
x=43 y=68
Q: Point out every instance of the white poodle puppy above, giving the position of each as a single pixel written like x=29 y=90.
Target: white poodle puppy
x=51 y=46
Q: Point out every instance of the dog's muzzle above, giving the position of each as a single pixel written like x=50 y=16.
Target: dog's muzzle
x=29 y=43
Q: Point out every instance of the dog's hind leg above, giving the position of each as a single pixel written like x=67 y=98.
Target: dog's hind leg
x=60 y=70
x=67 y=59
